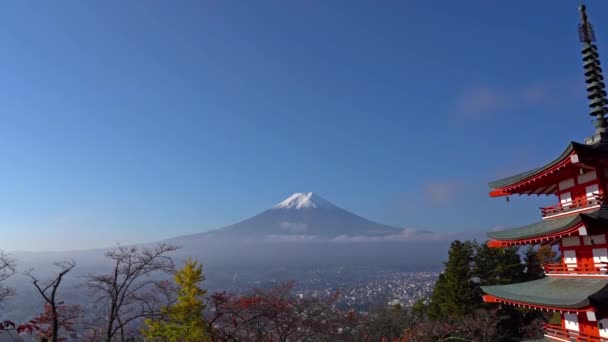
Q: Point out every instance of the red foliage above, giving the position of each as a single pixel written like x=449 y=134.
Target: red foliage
x=67 y=316
x=28 y=327
x=276 y=315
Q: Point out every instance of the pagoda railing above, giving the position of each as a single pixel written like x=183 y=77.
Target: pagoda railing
x=576 y=204
x=557 y=332
x=578 y=268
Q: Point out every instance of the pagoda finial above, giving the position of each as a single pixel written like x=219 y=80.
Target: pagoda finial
x=593 y=77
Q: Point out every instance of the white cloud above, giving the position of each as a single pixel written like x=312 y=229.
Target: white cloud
x=294 y=227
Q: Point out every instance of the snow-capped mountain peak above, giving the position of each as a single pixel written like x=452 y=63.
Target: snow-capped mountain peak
x=301 y=200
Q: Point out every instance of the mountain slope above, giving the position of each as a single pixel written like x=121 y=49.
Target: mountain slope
x=306 y=215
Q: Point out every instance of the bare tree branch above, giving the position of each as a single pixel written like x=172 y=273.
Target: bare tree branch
x=130 y=291
x=49 y=293
x=7 y=269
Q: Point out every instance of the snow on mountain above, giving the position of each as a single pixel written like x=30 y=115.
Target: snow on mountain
x=301 y=200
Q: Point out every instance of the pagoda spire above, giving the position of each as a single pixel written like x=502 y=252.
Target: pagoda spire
x=593 y=77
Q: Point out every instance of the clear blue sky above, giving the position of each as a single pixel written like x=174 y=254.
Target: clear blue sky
x=133 y=121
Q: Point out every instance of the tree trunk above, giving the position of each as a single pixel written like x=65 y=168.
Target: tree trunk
x=55 y=336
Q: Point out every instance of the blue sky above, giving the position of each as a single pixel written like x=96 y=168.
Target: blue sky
x=132 y=121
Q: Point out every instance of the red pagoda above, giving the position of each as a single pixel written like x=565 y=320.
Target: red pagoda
x=577 y=286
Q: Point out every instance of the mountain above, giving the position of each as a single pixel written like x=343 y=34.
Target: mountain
x=302 y=234
x=305 y=216
x=306 y=230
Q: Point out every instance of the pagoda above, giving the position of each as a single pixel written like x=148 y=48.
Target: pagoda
x=577 y=286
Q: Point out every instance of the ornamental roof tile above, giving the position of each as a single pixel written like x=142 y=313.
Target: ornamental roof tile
x=557 y=292
x=573 y=146
x=549 y=226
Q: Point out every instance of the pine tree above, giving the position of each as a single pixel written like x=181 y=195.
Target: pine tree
x=534 y=269
x=454 y=293
x=184 y=320
x=497 y=266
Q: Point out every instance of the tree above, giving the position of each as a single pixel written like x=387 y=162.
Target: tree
x=497 y=266
x=67 y=315
x=183 y=321
x=132 y=290
x=419 y=310
x=275 y=315
x=534 y=268
x=48 y=292
x=454 y=293
x=480 y=326
x=389 y=324
x=546 y=255
x=7 y=269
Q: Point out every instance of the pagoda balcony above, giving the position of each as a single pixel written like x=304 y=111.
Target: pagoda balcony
x=596 y=269
x=557 y=333
x=576 y=205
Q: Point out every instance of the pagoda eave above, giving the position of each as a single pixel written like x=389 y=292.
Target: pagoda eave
x=542 y=180
x=552 y=293
x=551 y=230
x=498 y=300
x=548 y=238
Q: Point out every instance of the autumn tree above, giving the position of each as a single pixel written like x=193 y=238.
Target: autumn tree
x=535 y=259
x=479 y=326
x=67 y=316
x=182 y=321
x=133 y=289
x=390 y=324
x=274 y=314
x=7 y=269
x=49 y=293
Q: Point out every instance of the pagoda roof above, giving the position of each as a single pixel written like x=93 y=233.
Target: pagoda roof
x=549 y=227
x=553 y=293
x=581 y=150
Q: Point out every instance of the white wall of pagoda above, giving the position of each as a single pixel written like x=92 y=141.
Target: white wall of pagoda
x=585 y=251
x=578 y=188
x=571 y=322
x=603 y=327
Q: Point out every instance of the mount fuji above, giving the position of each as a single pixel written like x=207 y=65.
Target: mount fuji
x=305 y=216
x=306 y=230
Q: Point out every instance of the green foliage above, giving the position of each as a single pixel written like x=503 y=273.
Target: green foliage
x=419 y=310
x=534 y=269
x=184 y=320
x=555 y=318
x=454 y=293
x=497 y=266
x=457 y=295
x=534 y=260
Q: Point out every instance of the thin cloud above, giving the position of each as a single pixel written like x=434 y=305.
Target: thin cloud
x=498 y=228
x=408 y=234
x=441 y=192
x=480 y=101
x=477 y=101
x=291 y=238
x=294 y=227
